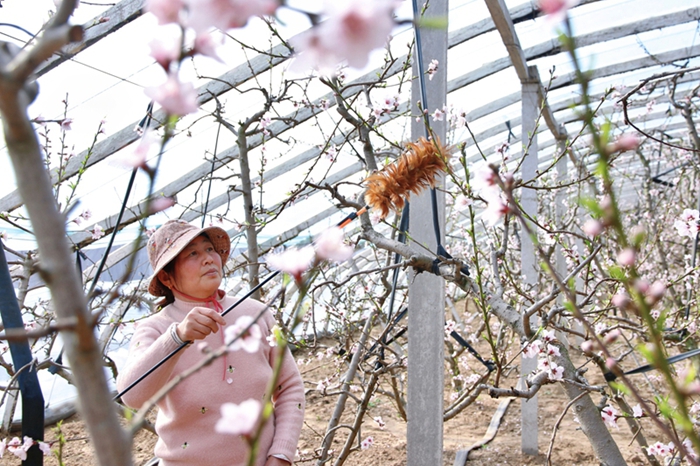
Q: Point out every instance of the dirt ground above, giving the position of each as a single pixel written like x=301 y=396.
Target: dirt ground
x=389 y=449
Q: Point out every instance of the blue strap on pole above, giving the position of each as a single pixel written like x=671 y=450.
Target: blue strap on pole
x=32 y=398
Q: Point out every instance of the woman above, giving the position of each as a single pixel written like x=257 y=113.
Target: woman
x=187 y=271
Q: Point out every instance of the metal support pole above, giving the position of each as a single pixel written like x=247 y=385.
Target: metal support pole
x=426 y=293
x=530 y=110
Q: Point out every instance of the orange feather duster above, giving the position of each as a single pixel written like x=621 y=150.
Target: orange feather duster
x=413 y=172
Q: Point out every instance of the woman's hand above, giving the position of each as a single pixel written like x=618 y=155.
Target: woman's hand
x=198 y=323
x=274 y=461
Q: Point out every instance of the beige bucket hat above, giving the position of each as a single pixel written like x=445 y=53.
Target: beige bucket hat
x=171 y=238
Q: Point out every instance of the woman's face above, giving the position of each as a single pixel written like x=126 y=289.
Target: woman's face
x=197 y=270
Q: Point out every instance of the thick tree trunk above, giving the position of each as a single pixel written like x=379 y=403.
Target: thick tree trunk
x=592 y=425
x=111 y=443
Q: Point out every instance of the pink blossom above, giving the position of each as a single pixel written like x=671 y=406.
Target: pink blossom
x=612 y=336
x=690 y=215
x=484 y=178
x=238 y=419
x=66 y=124
x=660 y=449
x=553 y=350
x=97 y=232
x=458 y=119
x=438 y=115
x=637 y=411
x=532 y=349
x=450 y=326
x=380 y=422
x=351 y=32
x=330 y=246
x=548 y=336
x=657 y=290
x=332 y=153
x=204 y=44
x=621 y=300
x=588 y=346
x=45 y=448
x=18 y=448
x=688 y=224
x=689 y=447
x=556 y=372
x=462 y=202
x=495 y=209
x=609 y=415
x=626 y=257
x=366 y=443
x=641 y=285
x=165 y=50
x=293 y=261
x=137 y=158
x=592 y=228
x=625 y=142
x=226 y=14
x=175 y=97
x=272 y=337
x=312 y=53
x=248 y=340
x=432 y=69
x=160 y=204
x=167 y=11
x=556 y=9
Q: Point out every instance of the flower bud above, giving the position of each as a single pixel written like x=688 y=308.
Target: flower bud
x=626 y=257
x=621 y=300
x=592 y=228
x=589 y=346
x=611 y=336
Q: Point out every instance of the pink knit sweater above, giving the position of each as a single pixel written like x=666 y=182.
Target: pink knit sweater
x=188 y=414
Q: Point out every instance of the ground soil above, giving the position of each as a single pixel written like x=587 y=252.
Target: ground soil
x=389 y=449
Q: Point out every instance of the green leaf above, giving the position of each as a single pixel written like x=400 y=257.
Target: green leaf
x=569 y=306
x=616 y=272
x=592 y=205
x=665 y=408
x=645 y=351
x=620 y=387
x=605 y=130
x=433 y=22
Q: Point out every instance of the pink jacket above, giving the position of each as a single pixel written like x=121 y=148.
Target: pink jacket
x=188 y=414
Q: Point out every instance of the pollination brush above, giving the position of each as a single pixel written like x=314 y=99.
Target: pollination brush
x=414 y=171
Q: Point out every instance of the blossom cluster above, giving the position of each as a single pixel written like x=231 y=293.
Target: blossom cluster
x=545 y=350
x=353 y=30
x=485 y=185
x=350 y=33
x=19 y=448
x=329 y=245
x=663 y=450
x=385 y=106
x=457 y=118
x=688 y=224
